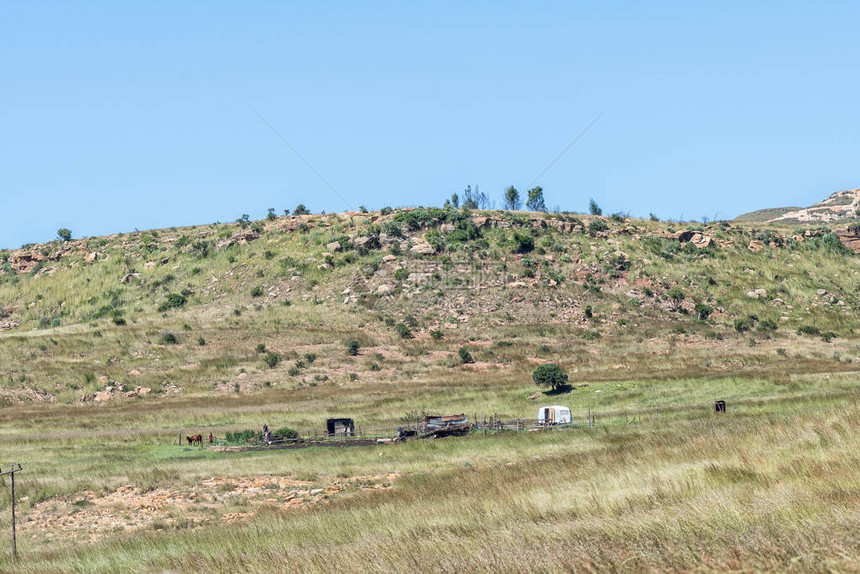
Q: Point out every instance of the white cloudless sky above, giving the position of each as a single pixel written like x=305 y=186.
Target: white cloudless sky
x=116 y=116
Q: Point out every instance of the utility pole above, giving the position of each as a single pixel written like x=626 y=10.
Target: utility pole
x=11 y=472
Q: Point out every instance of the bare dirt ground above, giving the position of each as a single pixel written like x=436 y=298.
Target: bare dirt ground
x=89 y=516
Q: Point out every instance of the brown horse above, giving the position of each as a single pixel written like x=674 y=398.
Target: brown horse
x=195 y=439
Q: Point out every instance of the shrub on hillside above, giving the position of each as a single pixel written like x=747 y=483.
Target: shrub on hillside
x=523 y=242
x=173 y=301
x=596 y=226
x=271 y=359
x=168 y=338
x=465 y=355
x=703 y=311
x=808 y=330
x=403 y=331
x=352 y=347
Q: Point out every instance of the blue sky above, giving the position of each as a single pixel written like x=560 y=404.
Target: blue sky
x=116 y=116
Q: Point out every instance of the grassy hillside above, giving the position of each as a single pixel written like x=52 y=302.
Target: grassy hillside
x=230 y=326
x=764 y=215
x=189 y=311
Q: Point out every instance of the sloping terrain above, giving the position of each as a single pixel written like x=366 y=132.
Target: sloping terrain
x=112 y=348
x=230 y=308
x=842 y=206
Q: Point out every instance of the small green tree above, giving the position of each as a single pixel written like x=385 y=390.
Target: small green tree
x=352 y=347
x=512 y=198
x=271 y=215
x=535 y=201
x=64 y=234
x=455 y=200
x=301 y=210
x=594 y=209
x=549 y=375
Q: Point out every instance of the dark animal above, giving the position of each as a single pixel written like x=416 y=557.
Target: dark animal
x=195 y=439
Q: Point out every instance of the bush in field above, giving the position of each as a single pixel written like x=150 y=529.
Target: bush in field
x=168 y=338
x=271 y=359
x=465 y=355
x=523 y=242
x=808 y=330
x=352 y=348
x=703 y=311
x=286 y=432
x=173 y=301
x=676 y=294
x=240 y=436
x=403 y=331
x=64 y=234
x=550 y=376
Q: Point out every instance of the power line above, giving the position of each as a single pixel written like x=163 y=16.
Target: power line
x=298 y=155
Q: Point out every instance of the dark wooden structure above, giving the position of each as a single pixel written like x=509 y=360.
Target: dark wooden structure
x=340 y=427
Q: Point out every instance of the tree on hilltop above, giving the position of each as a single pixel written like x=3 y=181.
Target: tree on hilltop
x=535 y=201
x=512 y=198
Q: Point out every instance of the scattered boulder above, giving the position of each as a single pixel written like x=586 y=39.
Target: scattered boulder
x=700 y=241
x=757 y=294
x=91 y=257
x=334 y=246
x=384 y=290
x=128 y=277
x=389 y=258
x=423 y=248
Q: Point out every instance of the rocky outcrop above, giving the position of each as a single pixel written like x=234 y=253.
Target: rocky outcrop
x=850 y=239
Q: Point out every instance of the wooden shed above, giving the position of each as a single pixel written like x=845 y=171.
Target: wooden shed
x=339 y=427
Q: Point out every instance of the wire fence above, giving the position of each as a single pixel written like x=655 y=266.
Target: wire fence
x=478 y=422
